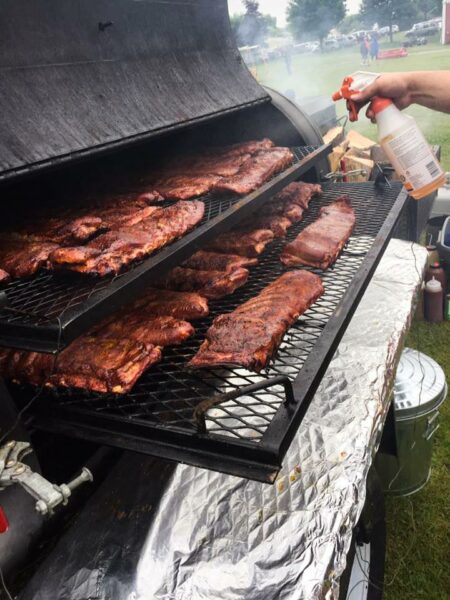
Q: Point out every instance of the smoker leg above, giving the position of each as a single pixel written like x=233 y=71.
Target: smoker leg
x=364 y=575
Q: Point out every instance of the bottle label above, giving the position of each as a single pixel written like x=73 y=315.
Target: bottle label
x=412 y=158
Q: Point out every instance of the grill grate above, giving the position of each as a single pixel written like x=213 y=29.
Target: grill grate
x=47 y=312
x=244 y=428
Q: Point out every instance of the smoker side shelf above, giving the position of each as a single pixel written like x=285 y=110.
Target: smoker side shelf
x=230 y=419
x=46 y=313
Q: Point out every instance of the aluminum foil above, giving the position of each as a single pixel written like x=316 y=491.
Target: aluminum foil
x=183 y=533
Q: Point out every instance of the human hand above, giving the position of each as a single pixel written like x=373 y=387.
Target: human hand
x=396 y=86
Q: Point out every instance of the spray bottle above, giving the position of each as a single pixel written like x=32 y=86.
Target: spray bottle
x=399 y=136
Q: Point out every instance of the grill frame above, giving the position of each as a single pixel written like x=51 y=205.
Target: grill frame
x=48 y=332
x=260 y=458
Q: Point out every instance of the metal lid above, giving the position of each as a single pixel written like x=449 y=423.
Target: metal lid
x=93 y=75
x=420 y=385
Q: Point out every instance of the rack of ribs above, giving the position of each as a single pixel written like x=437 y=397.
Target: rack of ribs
x=78 y=224
x=92 y=362
x=110 y=252
x=319 y=244
x=255 y=171
x=210 y=284
x=194 y=176
x=243 y=243
x=21 y=258
x=216 y=261
x=250 y=335
x=188 y=306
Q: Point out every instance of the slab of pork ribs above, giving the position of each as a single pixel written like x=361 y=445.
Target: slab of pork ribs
x=92 y=362
x=180 y=305
x=210 y=284
x=319 y=244
x=194 y=176
x=204 y=260
x=251 y=334
x=243 y=243
x=255 y=171
x=110 y=252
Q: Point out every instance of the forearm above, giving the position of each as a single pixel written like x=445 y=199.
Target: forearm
x=430 y=89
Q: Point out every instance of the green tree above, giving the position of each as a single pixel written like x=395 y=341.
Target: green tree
x=313 y=19
x=351 y=23
x=252 y=27
x=388 y=13
x=428 y=9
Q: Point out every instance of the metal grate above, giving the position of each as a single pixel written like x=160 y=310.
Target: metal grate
x=47 y=312
x=164 y=407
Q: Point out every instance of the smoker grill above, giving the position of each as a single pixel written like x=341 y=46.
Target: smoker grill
x=115 y=87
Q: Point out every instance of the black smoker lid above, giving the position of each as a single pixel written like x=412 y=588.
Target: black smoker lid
x=84 y=76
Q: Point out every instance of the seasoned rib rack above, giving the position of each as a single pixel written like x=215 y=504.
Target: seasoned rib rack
x=109 y=253
x=320 y=243
x=250 y=335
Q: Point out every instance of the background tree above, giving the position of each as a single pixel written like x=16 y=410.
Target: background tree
x=252 y=28
x=313 y=19
x=351 y=23
x=388 y=13
x=428 y=9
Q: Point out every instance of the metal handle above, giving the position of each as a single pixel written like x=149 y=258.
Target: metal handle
x=200 y=411
x=428 y=434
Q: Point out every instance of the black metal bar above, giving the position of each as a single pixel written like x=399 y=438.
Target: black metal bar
x=205 y=405
x=74 y=320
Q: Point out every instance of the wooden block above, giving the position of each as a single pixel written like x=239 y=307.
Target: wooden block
x=334 y=158
x=357 y=162
x=334 y=136
x=357 y=141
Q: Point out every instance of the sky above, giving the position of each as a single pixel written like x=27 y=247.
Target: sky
x=277 y=8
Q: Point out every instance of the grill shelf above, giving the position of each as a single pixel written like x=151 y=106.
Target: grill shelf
x=47 y=312
x=231 y=419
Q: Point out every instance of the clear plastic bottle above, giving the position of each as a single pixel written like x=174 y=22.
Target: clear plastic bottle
x=407 y=149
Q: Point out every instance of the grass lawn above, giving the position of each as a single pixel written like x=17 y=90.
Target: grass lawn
x=418 y=550
x=314 y=74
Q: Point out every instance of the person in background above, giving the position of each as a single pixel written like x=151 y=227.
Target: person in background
x=374 y=47
x=287 y=60
x=427 y=88
x=364 y=50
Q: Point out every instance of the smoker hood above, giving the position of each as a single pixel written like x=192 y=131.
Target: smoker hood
x=91 y=75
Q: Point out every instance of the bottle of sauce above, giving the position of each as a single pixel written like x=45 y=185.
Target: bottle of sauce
x=434 y=298
x=435 y=270
x=433 y=255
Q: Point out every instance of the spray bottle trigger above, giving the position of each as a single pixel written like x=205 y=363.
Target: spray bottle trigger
x=353 y=110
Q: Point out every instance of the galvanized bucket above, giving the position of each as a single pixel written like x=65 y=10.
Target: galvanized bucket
x=420 y=389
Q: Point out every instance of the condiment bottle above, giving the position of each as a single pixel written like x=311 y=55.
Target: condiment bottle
x=433 y=302
x=433 y=255
x=435 y=270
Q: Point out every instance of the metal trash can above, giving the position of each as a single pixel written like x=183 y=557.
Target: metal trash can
x=419 y=390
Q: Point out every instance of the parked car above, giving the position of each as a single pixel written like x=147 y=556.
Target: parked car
x=415 y=41
x=331 y=44
x=425 y=29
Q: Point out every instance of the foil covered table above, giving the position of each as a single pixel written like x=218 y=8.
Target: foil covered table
x=185 y=533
